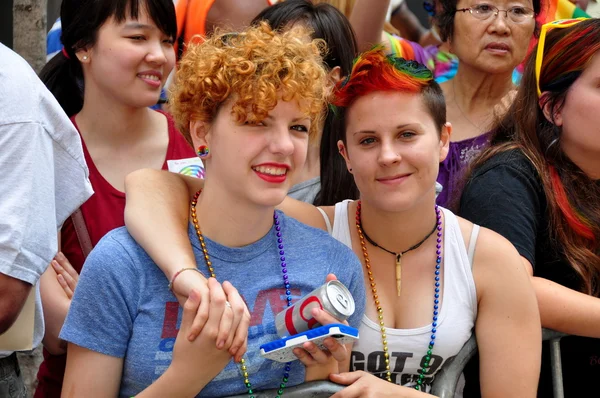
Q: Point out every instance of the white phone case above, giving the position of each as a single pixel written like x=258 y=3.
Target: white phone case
x=343 y=334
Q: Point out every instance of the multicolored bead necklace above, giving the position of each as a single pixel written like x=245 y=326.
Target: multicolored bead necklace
x=436 y=299
x=286 y=284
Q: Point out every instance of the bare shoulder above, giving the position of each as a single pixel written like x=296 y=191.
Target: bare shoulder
x=305 y=212
x=491 y=247
x=496 y=261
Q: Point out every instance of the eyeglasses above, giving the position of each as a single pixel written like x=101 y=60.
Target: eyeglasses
x=539 y=56
x=516 y=14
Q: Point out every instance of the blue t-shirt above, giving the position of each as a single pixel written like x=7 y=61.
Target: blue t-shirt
x=122 y=306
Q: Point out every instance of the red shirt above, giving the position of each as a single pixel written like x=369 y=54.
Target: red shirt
x=103 y=212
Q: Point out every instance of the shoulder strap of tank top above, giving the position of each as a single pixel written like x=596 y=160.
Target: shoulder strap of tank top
x=82 y=233
x=472 y=243
x=326 y=218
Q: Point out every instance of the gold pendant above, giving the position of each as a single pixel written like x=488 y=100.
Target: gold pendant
x=398 y=273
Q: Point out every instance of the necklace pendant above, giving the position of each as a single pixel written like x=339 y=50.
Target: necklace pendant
x=398 y=273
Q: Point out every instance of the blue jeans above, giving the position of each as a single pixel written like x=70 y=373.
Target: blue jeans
x=11 y=382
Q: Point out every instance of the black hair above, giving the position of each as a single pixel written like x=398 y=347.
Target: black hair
x=331 y=25
x=435 y=102
x=444 y=19
x=326 y=22
x=80 y=22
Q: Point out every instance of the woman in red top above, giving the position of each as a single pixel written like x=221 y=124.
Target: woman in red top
x=121 y=52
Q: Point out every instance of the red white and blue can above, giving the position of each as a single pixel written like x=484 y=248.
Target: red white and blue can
x=333 y=298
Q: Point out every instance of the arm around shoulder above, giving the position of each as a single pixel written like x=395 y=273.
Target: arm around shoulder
x=156 y=215
x=306 y=213
x=508 y=328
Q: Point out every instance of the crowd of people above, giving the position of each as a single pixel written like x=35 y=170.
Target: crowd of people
x=448 y=177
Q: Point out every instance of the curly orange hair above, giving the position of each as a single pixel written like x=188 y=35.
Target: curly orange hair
x=258 y=66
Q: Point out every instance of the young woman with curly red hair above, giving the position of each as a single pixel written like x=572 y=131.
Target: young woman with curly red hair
x=249 y=103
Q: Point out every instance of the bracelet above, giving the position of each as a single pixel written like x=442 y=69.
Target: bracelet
x=179 y=272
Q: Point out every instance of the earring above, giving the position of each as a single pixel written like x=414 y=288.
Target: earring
x=84 y=58
x=350 y=169
x=203 y=151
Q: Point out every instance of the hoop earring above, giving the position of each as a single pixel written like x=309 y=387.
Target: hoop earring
x=556 y=131
x=202 y=151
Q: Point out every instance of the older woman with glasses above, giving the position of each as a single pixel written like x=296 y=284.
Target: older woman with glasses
x=489 y=38
x=538 y=185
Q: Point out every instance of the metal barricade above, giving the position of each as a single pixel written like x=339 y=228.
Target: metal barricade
x=446 y=379
x=313 y=389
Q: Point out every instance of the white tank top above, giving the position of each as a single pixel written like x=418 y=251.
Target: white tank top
x=408 y=347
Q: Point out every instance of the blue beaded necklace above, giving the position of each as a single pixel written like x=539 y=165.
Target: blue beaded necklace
x=286 y=284
x=436 y=295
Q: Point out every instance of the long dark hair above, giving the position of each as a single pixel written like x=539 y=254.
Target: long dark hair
x=329 y=24
x=80 y=22
x=572 y=196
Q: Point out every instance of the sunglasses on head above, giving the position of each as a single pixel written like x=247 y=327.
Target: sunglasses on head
x=539 y=56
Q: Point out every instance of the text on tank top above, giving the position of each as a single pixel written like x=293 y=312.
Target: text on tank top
x=408 y=347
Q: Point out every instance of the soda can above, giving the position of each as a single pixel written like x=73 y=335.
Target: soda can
x=333 y=297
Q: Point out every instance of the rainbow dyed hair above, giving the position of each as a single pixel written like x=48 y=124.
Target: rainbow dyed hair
x=576 y=220
x=375 y=71
x=572 y=207
x=566 y=54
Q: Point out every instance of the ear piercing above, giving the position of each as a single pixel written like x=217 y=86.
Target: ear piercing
x=203 y=151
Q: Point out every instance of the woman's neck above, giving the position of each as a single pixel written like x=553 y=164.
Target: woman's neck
x=231 y=221
x=109 y=123
x=474 y=101
x=474 y=90
x=587 y=160
x=399 y=231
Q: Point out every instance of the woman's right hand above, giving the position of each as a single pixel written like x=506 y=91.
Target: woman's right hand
x=66 y=275
x=190 y=358
x=234 y=324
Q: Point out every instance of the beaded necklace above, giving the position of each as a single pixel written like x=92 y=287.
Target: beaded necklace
x=436 y=299
x=286 y=284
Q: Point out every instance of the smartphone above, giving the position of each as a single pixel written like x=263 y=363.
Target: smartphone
x=282 y=350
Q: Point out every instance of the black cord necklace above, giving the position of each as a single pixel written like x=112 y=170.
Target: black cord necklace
x=398 y=255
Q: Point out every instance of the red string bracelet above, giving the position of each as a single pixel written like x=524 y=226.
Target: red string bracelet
x=179 y=272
